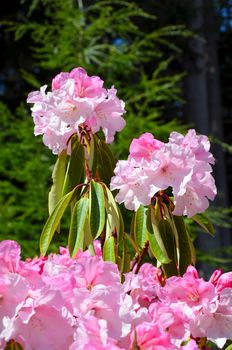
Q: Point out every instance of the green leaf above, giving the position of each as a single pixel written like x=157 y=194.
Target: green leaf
x=112 y=215
x=140 y=227
x=229 y=347
x=75 y=169
x=205 y=223
x=108 y=250
x=186 y=254
x=108 y=152
x=168 y=238
x=53 y=222
x=125 y=262
x=78 y=221
x=106 y=162
x=156 y=243
x=121 y=233
x=96 y=209
x=88 y=238
x=58 y=176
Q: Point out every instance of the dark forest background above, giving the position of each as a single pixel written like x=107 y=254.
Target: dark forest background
x=171 y=63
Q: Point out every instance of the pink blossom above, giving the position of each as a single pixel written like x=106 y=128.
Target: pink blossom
x=83 y=298
x=93 y=334
x=36 y=324
x=85 y=86
x=144 y=285
x=76 y=99
x=214 y=319
x=9 y=256
x=224 y=281
x=198 y=144
x=13 y=291
x=144 y=146
x=183 y=164
x=133 y=180
x=175 y=169
x=172 y=320
x=188 y=289
x=147 y=336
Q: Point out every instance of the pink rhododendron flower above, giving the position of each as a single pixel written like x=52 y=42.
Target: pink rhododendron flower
x=80 y=303
x=188 y=289
x=182 y=164
x=38 y=324
x=144 y=146
x=224 y=281
x=76 y=99
x=198 y=144
x=148 y=337
x=9 y=256
x=213 y=320
x=133 y=180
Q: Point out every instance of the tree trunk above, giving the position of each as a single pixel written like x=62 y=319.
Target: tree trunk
x=203 y=107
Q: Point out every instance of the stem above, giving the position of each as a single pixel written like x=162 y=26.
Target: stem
x=88 y=172
x=134 y=261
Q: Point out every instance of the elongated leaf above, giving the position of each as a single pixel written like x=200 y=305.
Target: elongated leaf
x=229 y=347
x=58 y=176
x=112 y=215
x=108 y=250
x=156 y=243
x=140 y=226
x=106 y=162
x=121 y=226
x=96 y=209
x=171 y=269
x=53 y=222
x=205 y=223
x=78 y=220
x=75 y=170
x=186 y=254
x=108 y=152
x=88 y=238
x=125 y=262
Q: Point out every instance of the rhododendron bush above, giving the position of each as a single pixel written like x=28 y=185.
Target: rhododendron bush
x=111 y=289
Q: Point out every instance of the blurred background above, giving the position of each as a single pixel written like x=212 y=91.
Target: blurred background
x=171 y=63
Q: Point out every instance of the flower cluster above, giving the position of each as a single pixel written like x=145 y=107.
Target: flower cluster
x=61 y=303
x=183 y=163
x=76 y=100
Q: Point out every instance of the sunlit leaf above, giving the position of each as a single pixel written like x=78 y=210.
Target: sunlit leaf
x=78 y=220
x=106 y=162
x=140 y=226
x=58 y=176
x=205 y=223
x=156 y=243
x=125 y=262
x=109 y=250
x=166 y=232
x=96 y=208
x=186 y=253
x=112 y=215
x=53 y=221
x=75 y=169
